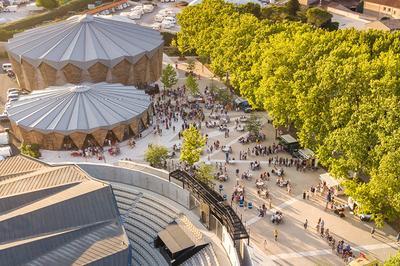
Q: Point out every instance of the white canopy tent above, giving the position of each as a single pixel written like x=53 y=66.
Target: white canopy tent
x=332 y=182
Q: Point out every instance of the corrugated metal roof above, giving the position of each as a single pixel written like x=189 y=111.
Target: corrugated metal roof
x=83 y=41
x=82 y=108
x=58 y=216
x=104 y=241
x=18 y=165
x=41 y=179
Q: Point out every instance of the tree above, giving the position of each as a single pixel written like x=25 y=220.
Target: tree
x=169 y=77
x=31 y=150
x=191 y=85
x=156 y=155
x=318 y=17
x=251 y=8
x=204 y=172
x=292 y=7
x=48 y=4
x=193 y=144
x=393 y=261
x=253 y=125
x=222 y=95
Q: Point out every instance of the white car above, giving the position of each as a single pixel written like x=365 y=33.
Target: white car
x=158 y=18
x=148 y=8
x=138 y=9
x=135 y=15
x=6 y=67
x=12 y=90
x=167 y=25
x=156 y=26
x=170 y=20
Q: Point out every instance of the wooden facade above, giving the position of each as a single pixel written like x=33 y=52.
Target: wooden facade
x=55 y=140
x=145 y=71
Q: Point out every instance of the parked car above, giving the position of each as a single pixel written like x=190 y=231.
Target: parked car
x=158 y=18
x=138 y=9
x=6 y=67
x=135 y=15
x=170 y=20
x=156 y=26
x=167 y=24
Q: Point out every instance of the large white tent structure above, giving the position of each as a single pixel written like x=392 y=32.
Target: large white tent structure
x=86 y=48
x=82 y=113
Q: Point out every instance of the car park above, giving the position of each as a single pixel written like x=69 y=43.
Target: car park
x=167 y=24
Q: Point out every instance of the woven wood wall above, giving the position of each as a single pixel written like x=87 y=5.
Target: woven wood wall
x=72 y=73
x=49 y=74
x=98 y=72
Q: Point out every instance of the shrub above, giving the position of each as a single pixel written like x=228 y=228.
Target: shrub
x=31 y=150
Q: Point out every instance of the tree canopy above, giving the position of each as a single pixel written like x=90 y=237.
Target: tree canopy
x=340 y=89
x=156 y=155
x=48 y=4
x=169 y=77
x=192 y=147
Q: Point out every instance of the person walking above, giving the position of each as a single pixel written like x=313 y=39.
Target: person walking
x=306 y=224
x=398 y=238
x=318 y=224
x=265 y=244
x=276 y=234
x=372 y=231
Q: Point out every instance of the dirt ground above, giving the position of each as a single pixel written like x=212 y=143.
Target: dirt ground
x=5 y=84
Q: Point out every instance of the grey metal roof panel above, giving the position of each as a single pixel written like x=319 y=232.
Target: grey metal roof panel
x=83 y=204
x=83 y=41
x=83 y=108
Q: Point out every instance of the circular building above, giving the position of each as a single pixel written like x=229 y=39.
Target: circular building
x=86 y=49
x=76 y=116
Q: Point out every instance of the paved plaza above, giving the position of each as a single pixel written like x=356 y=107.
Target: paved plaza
x=295 y=245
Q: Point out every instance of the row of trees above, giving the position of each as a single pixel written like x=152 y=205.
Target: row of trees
x=339 y=89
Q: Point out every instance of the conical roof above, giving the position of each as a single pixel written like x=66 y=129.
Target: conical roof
x=78 y=108
x=83 y=41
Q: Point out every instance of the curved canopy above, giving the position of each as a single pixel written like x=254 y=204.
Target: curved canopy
x=78 y=108
x=83 y=41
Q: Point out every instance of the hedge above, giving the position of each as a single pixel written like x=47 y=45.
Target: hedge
x=8 y=29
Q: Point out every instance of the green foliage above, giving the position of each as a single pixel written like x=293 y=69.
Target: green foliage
x=191 y=65
x=193 y=144
x=222 y=95
x=156 y=155
x=169 y=77
x=31 y=150
x=48 y=4
x=168 y=38
x=253 y=125
x=251 y=8
x=393 y=261
x=339 y=89
x=8 y=29
x=318 y=17
x=293 y=6
x=205 y=172
x=191 y=85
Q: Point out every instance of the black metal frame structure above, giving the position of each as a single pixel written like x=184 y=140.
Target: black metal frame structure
x=224 y=213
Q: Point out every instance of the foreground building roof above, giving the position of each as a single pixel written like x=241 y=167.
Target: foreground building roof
x=82 y=108
x=58 y=216
x=83 y=41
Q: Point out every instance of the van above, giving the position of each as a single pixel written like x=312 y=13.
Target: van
x=6 y=67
